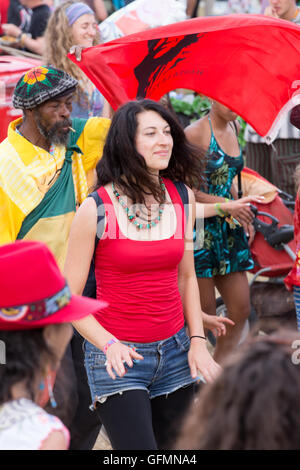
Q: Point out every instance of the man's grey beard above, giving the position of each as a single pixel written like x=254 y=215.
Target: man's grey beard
x=52 y=135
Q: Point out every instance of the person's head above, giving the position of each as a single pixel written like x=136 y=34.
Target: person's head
x=145 y=140
x=83 y=24
x=36 y=308
x=45 y=94
x=222 y=111
x=71 y=23
x=254 y=403
x=285 y=9
x=52 y=119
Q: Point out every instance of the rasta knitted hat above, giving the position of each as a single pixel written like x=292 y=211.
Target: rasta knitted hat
x=41 y=84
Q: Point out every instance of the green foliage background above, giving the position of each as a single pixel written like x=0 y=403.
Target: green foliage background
x=198 y=108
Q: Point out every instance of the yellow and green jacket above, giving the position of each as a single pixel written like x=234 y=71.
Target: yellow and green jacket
x=39 y=191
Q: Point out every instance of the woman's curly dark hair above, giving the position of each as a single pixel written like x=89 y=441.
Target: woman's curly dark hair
x=123 y=165
x=26 y=353
x=254 y=404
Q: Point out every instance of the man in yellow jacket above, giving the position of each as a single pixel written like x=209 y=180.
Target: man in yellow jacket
x=46 y=161
x=46 y=167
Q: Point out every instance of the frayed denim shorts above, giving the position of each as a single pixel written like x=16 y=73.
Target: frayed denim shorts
x=163 y=370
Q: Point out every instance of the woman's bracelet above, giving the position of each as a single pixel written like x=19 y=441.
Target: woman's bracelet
x=219 y=211
x=109 y=343
x=197 y=336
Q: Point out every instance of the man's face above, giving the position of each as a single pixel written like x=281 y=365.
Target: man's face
x=52 y=119
x=283 y=8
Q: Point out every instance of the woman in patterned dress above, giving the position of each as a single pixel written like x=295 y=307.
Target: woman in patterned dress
x=224 y=257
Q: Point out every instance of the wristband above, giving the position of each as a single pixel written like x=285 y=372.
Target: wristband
x=197 y=336
x=219 y=211
x=21 y=38
x=109 y=343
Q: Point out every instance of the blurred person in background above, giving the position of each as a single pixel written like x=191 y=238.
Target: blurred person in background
x=284 y=9
x=74 y=23
x=36 y=308
x=14 y=12
x=98 y=6
x=253 y=404
x=4 y=5
x=33 y=21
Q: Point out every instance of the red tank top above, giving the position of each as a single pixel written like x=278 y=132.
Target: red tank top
x=139 y=279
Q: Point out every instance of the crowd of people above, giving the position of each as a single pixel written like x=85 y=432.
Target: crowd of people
x=97 y=230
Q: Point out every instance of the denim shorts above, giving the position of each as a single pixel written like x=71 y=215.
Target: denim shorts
x=163 y=370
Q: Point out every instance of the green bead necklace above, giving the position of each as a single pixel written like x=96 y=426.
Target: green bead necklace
x=133 y=217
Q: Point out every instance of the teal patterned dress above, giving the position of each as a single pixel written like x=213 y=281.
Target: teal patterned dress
x=222 y=250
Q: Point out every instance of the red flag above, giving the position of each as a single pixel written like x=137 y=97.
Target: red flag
x=250 y=63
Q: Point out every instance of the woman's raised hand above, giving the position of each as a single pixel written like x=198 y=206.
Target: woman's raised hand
x=77 y=50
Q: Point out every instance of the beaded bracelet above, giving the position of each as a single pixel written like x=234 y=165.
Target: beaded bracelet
x=109 y=343
x=219 y=211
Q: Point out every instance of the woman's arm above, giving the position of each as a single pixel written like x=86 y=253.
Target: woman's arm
x=229 y=207
x=199 y=357
x=81 y=246
x=35 y=45
x=100 y=10
x=77 y=266
x=55 y=441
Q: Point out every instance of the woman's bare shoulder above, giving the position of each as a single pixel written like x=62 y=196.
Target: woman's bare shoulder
x=198 y=132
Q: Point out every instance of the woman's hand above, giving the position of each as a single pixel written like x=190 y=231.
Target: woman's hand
x=11 y=30
x=217 y=325
x=201 y=362
x=250 y=232
x=240 y=208
x=77 y=50
x=117 y=355
x=269 y=11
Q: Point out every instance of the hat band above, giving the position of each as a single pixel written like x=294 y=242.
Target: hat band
x=36 y=311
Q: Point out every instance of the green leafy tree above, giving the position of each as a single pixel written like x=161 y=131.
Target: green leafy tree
x=197 y=108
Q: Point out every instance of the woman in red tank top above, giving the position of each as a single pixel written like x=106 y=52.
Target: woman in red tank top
x=141 y=365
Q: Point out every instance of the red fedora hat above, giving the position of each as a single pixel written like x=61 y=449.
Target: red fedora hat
x=33 y=292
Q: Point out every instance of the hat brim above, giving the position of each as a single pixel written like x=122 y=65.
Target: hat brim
x=78 y=308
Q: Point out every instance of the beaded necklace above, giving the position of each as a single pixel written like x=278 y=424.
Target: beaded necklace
x=133 y=217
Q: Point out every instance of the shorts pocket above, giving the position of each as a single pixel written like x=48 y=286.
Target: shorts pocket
x=94 y=357
x=183 y=341
x=99 y=359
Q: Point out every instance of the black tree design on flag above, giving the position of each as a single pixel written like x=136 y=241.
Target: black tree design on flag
x=163 y=55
